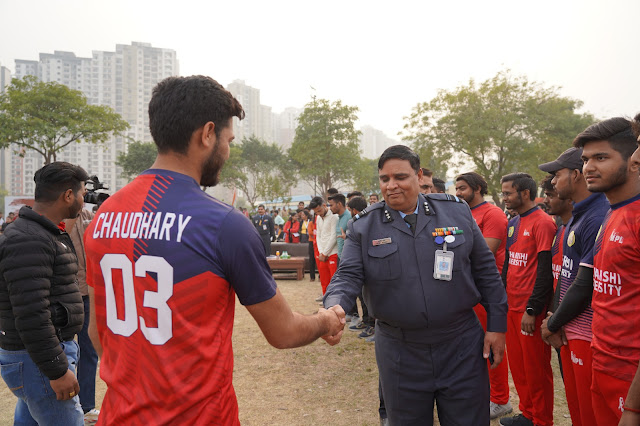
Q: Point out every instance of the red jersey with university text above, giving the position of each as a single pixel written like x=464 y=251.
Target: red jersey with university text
x=556 y=255
x=616 y=292
x=493 y=224
x=528 y=235
x=166 y=261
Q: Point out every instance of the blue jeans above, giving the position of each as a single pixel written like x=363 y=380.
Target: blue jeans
x=37 y=403
x=87 y=364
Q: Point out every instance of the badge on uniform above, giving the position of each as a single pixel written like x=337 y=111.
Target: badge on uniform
x=264 y=227
x=382 y=241
x=443 y=265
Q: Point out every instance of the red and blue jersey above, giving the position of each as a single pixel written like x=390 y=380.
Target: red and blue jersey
x=166 y=262
x=529 y=234
x=616 y=292
x=580 y=237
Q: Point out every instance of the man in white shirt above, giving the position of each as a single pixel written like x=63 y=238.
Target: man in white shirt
x=326 y=239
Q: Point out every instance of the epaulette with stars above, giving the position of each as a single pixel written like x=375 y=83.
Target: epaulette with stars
x=444 y=197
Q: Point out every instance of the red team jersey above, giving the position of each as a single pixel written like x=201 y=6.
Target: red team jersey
x=493 y=224
x=166 y=261
x=616 y=292
x=528 y=235
x=556 y=255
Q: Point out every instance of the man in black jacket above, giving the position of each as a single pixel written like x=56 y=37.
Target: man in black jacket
x=41 y=307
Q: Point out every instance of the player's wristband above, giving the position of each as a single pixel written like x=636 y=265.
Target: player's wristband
x=633 y=410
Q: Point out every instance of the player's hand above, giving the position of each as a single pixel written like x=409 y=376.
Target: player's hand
x=337 y=320
x=66 y=387
x=557 y=339
x=343 y=235
x=528 y=323
x=494 y=343
x=629 y=418
x=322 y=257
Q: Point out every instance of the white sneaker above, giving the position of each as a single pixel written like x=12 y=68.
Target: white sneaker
x=91 y=417
x=496 y=410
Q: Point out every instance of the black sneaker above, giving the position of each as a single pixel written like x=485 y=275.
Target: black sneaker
x=369 y=331
x=518 y=420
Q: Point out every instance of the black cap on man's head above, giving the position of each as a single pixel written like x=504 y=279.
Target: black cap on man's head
x=570 y=159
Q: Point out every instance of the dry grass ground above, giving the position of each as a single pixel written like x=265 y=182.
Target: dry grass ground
x=313 y=385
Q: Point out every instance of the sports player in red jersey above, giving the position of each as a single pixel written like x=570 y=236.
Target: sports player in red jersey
x=492 y=222
x=608 y=167
x=166 y=262
x=528 y=277
x=573 y=335
x=631 y=415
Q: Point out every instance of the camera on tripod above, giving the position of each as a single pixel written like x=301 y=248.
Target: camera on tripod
x=92 y=196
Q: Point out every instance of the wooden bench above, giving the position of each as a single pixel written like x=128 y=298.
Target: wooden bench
x=294 y=263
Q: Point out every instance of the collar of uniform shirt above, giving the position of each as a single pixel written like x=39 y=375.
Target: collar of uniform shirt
x=402 y=214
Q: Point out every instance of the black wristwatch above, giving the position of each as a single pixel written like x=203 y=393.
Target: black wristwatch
x=530 y=311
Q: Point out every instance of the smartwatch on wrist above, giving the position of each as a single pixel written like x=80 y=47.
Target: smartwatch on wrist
x=530 y=311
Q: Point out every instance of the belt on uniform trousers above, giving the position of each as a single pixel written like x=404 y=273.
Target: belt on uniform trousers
x=429 y=335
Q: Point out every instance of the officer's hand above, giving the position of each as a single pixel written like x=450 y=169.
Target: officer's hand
x=629 y=418
x=66 y=387
x=336 y=320
x=528 y=324
x=494 y=342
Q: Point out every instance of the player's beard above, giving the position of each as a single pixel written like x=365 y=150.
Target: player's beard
x=211 y=168
x=618 y=179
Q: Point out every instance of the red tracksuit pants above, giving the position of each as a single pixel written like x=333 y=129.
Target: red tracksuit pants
x=499 y=376
x=576 y=367
x=608 y=394
x=326 y=270
x=530 y=365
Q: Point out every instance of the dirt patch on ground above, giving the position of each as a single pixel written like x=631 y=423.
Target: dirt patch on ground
x=313 y=385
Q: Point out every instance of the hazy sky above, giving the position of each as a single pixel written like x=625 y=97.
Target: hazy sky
x=381 y=56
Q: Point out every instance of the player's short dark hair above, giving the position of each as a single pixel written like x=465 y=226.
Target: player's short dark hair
x=332 y=191
x=338 y=198
x=400 y=152
x=316 y=202
x=181 y=105
x=357 y=203
x=354 y=194
x=545 y=183
x=475 y=182
x=521 y=182
x=617 y=131
x=635 y=126
x=426 y=172
x=54 y=179
x=439 y=184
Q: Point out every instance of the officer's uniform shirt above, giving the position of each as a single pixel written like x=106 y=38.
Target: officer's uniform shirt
x=395 y=270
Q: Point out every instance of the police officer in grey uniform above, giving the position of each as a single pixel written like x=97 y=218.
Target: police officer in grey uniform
x=422 y=264
x=265 y=227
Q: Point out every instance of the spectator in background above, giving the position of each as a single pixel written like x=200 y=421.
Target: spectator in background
x=439 y=186
x=352 y=194
x=311 y=240
x=326 y=241
x=87 y=364
x=265 y=226
x=426 y=181
x=373 y=198
x=337 y=204
x=292 y=229
x=300 y=205
x=10 y=218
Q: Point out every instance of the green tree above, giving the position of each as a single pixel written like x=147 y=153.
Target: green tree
x=326 y=145
x=138 y=158
x=258 y=169
x=46 y=117
x=365 y=177
x=503 y=125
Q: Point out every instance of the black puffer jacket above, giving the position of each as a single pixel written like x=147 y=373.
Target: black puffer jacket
x=40 y=302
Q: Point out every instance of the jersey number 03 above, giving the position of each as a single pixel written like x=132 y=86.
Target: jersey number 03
x=152 y=299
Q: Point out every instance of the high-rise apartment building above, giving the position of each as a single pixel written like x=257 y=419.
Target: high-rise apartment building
x=122 y=80
x=373 y=142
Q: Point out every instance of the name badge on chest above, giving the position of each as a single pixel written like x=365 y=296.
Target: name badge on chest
x=443 y=264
